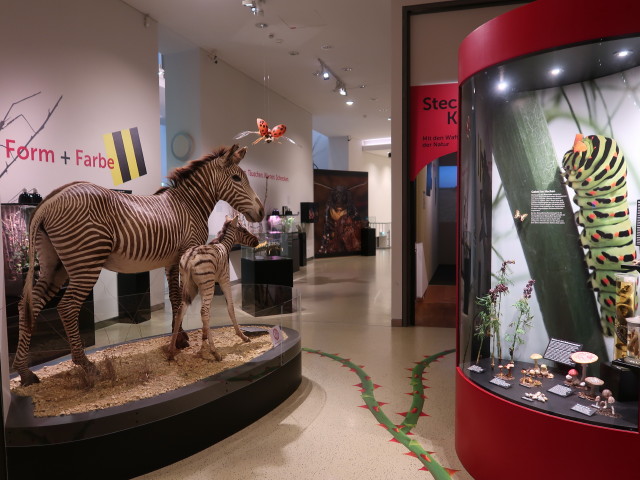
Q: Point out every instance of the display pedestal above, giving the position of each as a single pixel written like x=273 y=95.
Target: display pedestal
x=149 y=434
x=499 y=440
x=294 y=250
x=621 y=379
x=48 y=340
x=368 y=241
x=266 y=285
x=303 y=248
x=134 y=299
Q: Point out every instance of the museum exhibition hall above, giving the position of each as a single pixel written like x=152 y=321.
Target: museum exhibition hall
x=258 y=239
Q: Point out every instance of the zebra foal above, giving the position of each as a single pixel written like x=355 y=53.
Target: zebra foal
x=200 y=268
x=81 y=228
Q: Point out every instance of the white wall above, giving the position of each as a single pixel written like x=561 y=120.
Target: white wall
x=101 y=58
x=427 y=220
x=379 y=169
x=222 y=102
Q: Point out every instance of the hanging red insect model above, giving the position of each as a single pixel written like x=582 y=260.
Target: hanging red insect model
x=267 y=134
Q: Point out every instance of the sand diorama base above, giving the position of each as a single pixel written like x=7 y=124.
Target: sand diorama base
x=145 y=410
x=136 y=370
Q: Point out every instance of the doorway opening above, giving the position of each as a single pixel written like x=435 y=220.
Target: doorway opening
x=436 y=244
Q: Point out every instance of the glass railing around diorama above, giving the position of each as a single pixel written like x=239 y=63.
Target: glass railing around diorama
x=130 y=329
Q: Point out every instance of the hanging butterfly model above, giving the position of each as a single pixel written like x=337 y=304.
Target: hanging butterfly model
x=267 y=134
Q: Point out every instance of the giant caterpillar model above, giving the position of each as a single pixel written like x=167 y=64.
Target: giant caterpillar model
x=596 y=170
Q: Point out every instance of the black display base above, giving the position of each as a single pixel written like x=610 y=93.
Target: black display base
x=265 y=300
x=49 y=340
x=620 y=379
x=134 y=298
x=303 y=248
x=266 y=285
x=368 y=241
x=137 y=438
x=294 y=250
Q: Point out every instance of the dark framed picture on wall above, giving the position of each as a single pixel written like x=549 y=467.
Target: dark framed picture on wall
x=309 y=212
x=342 y=199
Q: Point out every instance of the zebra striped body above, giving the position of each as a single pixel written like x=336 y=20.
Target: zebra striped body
x=596 y=170
x=81 y=228
x=200 y=268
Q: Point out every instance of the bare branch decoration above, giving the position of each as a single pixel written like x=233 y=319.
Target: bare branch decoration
x=15 y=157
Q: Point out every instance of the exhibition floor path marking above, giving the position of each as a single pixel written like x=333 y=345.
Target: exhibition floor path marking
x=402 y=431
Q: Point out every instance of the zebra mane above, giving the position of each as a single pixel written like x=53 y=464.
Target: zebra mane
x=179 y=175
x=221 y=233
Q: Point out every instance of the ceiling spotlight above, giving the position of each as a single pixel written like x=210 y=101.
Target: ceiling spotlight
x=327 y=73
x=349 y=102
x=622 y=53
x=262 y=25
x=253 y=6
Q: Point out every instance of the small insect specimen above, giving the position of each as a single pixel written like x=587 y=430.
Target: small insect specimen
x=520 y=216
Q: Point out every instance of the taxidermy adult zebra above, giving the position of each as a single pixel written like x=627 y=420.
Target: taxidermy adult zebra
x=200 y=268
x=81 y=228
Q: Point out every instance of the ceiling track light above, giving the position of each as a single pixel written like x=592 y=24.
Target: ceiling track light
x=326 y=73
x=254 y=6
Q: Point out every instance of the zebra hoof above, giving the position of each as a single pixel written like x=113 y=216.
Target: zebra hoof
x=182 y=341
x=91 y=369
x=29 y=378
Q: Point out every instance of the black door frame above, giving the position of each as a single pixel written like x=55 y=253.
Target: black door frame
x=408 y=187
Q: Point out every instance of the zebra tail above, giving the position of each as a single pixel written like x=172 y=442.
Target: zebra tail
x=27 y=297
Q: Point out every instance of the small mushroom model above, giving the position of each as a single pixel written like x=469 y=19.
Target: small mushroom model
x=606 y=401
x=584 y=359
x=535 y=357
x=594 y=383
x=572 y=377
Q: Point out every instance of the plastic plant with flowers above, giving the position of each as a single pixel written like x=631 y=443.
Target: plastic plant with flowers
x=523 y=320
x=490 y=313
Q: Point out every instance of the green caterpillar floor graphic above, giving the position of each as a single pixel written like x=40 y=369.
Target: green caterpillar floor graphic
x=402 y=431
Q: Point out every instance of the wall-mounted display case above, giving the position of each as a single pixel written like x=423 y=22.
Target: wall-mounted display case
x=548 y=189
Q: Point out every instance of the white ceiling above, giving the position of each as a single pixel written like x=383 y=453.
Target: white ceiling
x=351 y=34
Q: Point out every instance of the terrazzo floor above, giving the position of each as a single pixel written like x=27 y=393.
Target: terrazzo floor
x=321 y=431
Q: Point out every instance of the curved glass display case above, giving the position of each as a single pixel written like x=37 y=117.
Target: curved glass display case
x=550 y=181
x=549 y=189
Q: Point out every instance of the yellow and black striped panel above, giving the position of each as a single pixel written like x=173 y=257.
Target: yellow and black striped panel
x=126 y=151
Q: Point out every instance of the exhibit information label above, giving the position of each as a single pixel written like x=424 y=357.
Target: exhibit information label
x=501 y=383
x=561 y=390
x=547 y=207
x=276 y=335
x=583 y=409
